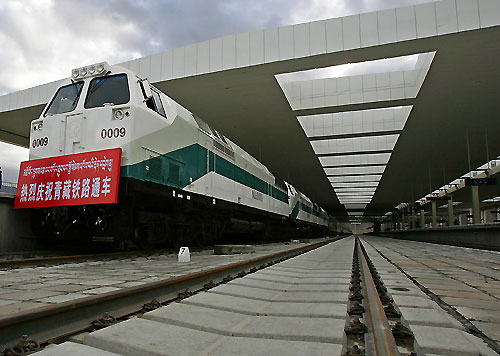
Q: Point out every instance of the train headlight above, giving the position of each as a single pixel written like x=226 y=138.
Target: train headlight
x=100 y=68
x=118 y=115
x=38 y=126
x=90 y=71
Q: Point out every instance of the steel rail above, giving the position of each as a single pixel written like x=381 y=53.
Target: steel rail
x=55 y=260
x=380 y=342
x=51 y=322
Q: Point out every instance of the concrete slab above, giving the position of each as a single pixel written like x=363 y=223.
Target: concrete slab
x=272 y=278
x=441 y=281
x=312 y=310
x=477 y=304
x=412 y=301
x=68 y=288
x=319 y=287
x=327 y=280
x=101 y=282
x=242 y=346
x=477 y=295
x=254 y=283
x=491 y=316
x=18 y=307
x=399 y=283
x=490 y=329
x=31 y=286
x=198 y=318
x=6 y=302
x=312 y=297
x=29 y=295
x=129 y=284
x=227 y=303
x=431 y=317
x=327 y=330
x=100 y=290
x=73 y=349
x=450 y=287
x=407 y=290
x=5 y=290
x=63 y=298
x=246 y=292
x=143 y=337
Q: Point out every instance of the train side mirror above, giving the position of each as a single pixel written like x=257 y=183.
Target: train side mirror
x=146 y=89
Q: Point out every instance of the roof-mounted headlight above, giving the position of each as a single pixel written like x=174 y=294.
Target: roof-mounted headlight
x=101 y=67
x=90 y=71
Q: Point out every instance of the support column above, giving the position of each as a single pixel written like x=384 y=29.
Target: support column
x=476 y=213
x=403 y=220
x=422 y=219
x=451 y=216
x=413 y=218
x=434 y=213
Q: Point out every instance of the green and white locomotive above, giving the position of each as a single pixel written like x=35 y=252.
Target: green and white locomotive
x=180 y=179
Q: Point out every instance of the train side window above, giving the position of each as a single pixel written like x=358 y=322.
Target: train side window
x=158 y=104
x=202 y=124
x=223 y=138
x=214 y=132
x=148 y=100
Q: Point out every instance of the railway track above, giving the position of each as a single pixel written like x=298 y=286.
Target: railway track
x=52 y=322
x=374 y=324
x=313 y=300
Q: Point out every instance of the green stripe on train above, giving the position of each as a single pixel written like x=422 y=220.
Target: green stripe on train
x=181 y=167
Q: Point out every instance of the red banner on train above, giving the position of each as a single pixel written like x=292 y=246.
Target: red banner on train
x=78 y=179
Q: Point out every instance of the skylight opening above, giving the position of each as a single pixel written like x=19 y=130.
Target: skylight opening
x=353 y=145
x=355 y=122
x=395 y=64
x=372 y=81
x=355 y=170
x=343 y=179
x=354 y=160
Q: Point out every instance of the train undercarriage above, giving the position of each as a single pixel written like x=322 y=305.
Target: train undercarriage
x=149 y=215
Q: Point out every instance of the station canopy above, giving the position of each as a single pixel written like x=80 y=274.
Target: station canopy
x=420 y=89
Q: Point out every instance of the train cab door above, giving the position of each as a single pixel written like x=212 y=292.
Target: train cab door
x=75 y=135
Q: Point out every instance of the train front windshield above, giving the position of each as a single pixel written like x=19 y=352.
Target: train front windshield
x=65 y=99
x=112 y=90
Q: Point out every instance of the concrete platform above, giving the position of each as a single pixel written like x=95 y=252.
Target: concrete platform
x=452 y=275
x=73 y=349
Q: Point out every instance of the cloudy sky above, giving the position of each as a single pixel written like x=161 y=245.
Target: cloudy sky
x=42 y=40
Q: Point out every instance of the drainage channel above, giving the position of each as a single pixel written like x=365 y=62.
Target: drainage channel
x=374 y=325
